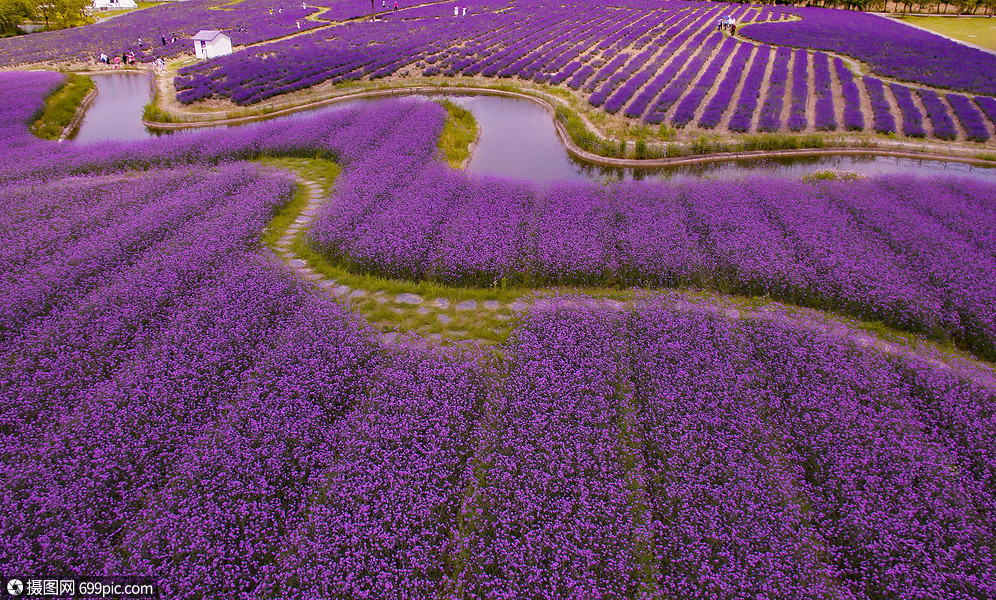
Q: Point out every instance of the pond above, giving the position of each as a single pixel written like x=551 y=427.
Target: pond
x=518 y=140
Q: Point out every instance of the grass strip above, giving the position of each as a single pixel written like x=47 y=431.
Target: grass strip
x=61 y=106
x=458 y=134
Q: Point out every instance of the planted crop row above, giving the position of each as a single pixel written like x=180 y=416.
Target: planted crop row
x=797 y=120
x=854 y=119
x=750 y=93
x=771 y=111
x=884 y=121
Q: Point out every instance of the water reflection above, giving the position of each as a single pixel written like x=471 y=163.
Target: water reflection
x=518 y=140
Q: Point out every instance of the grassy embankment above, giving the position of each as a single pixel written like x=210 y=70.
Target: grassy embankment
x=978 y=31
x=458 y=134
x=61 y=106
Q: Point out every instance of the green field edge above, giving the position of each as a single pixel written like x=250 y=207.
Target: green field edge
x=61 y=106
x=960 y=27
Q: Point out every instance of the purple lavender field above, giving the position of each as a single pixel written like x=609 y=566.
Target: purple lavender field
x=645 y=62
x=178 y=404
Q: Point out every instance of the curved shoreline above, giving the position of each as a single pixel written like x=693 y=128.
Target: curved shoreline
x=897 y=151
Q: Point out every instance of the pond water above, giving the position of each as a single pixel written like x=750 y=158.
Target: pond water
x=116 y=111
x=518 y=140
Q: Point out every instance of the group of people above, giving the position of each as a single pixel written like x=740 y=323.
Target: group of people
x=141 y=42
x=127 y=58
x=727 y=23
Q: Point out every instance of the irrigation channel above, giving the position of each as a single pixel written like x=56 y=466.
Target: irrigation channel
x=518 y=140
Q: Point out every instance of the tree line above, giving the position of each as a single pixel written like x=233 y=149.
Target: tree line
x=961 y=7
x=55 y=14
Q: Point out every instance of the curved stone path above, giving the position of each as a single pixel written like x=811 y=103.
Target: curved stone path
x=813 y=320
x=401 y=303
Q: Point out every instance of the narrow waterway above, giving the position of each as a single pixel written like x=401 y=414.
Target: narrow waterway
x=518 y=140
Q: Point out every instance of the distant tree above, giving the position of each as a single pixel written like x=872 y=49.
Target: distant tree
x=968 y=7
x=13 y=13
x=62 y=13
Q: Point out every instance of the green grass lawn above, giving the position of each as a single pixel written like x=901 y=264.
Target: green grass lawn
x=979 y=31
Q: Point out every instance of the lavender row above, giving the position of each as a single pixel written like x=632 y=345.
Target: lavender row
x=647 y=71
x=988 y=106
x=912 y=117
x=691 y=101
x=74 y=264
x=941 y=124
x=713 y=113
x=854 y=119
x=884 y=121
x=743 y=112
x=549 y=500
x=825 y=119
x=969 y=117
x=797 y=120
x=676 y=88
x=696 y=34
x=770 y=117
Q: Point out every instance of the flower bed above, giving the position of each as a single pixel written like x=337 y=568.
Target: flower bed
x=884 y=121
x=178 y=405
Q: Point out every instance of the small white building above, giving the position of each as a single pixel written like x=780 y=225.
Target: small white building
x=113 y=4
x=209 y=43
